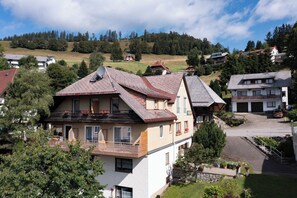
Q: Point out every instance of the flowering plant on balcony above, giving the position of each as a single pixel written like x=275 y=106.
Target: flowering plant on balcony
x=178 y=132
x=85 y=112
x=186 y=130
x=66 y=113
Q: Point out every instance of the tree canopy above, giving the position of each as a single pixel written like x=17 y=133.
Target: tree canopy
x=82 y=70
x=27 y=99
x=35 y=169
x=96 y=60
x=61 y=76
x=29 y=62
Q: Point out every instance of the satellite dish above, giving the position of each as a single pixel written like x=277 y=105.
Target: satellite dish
x=99 y=74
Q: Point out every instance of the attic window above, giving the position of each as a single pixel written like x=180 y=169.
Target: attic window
x=269 y=81
x=247 y=82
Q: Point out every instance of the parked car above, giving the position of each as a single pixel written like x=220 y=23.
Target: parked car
x=278 y=113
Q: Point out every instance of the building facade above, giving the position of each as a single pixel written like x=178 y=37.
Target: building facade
x=261 y=92
x=137 y=125
x=43 y=61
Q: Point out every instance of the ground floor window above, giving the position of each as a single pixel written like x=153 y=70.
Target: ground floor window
x=123 y=165
x=124 y=192
x=271 y=104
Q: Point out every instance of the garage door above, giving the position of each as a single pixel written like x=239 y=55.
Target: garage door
x=242 y=107
x=257 y=106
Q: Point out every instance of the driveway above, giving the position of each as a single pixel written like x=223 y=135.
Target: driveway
x=260 y=125
x=239 y=149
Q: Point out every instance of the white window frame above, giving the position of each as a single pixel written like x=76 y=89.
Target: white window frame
x=273 y=104
x=161 y=131
x=93 y=140
x=167 y=158
x=185 y=105
x=129 y=131
x=178 y=104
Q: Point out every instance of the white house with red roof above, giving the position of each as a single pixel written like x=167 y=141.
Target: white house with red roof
x=137 y=125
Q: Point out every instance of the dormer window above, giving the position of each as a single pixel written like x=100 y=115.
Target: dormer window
x=269 y=81
x=247 y=82
x=258 y=81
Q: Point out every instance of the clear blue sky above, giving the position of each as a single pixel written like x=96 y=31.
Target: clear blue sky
x=230 y=22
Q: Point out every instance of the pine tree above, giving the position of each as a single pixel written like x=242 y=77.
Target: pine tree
x=82 y=70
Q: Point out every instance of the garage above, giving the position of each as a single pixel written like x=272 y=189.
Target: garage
x=242 y=107
x=257 y=106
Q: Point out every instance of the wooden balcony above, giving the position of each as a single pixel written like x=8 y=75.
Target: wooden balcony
x=101 y=117
x=255 y=97
x=119 y=149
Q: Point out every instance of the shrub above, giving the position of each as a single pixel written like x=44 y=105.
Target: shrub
x=211 y=136
x=213 y=191
x=286 y=146
x=231 y=187
x=292 y=115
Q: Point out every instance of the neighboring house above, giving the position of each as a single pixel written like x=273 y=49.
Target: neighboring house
x=43 y=61
x=158 y=65
x=138 y=125
x=204 y=100
x=219 y=57
x=6 y=77
x=280 y=57
x=261 y=92
x=273 y=53
x=129 y=57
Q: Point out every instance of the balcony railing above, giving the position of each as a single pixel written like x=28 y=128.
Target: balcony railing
x=104 y=116
x=110 y=148
x=255 y=97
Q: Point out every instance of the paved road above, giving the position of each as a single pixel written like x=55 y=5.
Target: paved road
x=260 y=125
x=239 y=149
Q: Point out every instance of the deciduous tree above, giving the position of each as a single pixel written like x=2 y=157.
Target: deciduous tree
x=27 y=99
x=35 y=169
x=96 y=60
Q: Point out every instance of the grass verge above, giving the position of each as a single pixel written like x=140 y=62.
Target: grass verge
x=262 y=186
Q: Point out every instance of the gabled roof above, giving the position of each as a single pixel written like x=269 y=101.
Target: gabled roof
x=201 y=94
x=6 y=77
x=161 y=65
x=118 y=82
x=280 y=79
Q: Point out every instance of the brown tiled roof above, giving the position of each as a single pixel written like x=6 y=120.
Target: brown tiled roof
x=169 y=84
x=119 y=82
x=6 y=77
x=160 y=64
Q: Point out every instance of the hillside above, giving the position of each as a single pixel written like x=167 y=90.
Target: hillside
x=175 y=63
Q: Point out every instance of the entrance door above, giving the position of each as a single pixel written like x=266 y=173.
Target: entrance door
x=66 y=131
x=242 y=107
x=257 y=106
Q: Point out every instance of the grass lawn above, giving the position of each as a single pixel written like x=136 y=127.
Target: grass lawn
x=174 y=63
x=262 y=186
x=212 y=76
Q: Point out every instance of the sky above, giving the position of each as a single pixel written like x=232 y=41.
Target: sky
x=230 y=22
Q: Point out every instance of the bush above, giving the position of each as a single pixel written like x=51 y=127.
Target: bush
x=211 y=136
x=231 y=188
x=213 y=191
x=286 y=147
x=269 y=141
x=292 y=115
